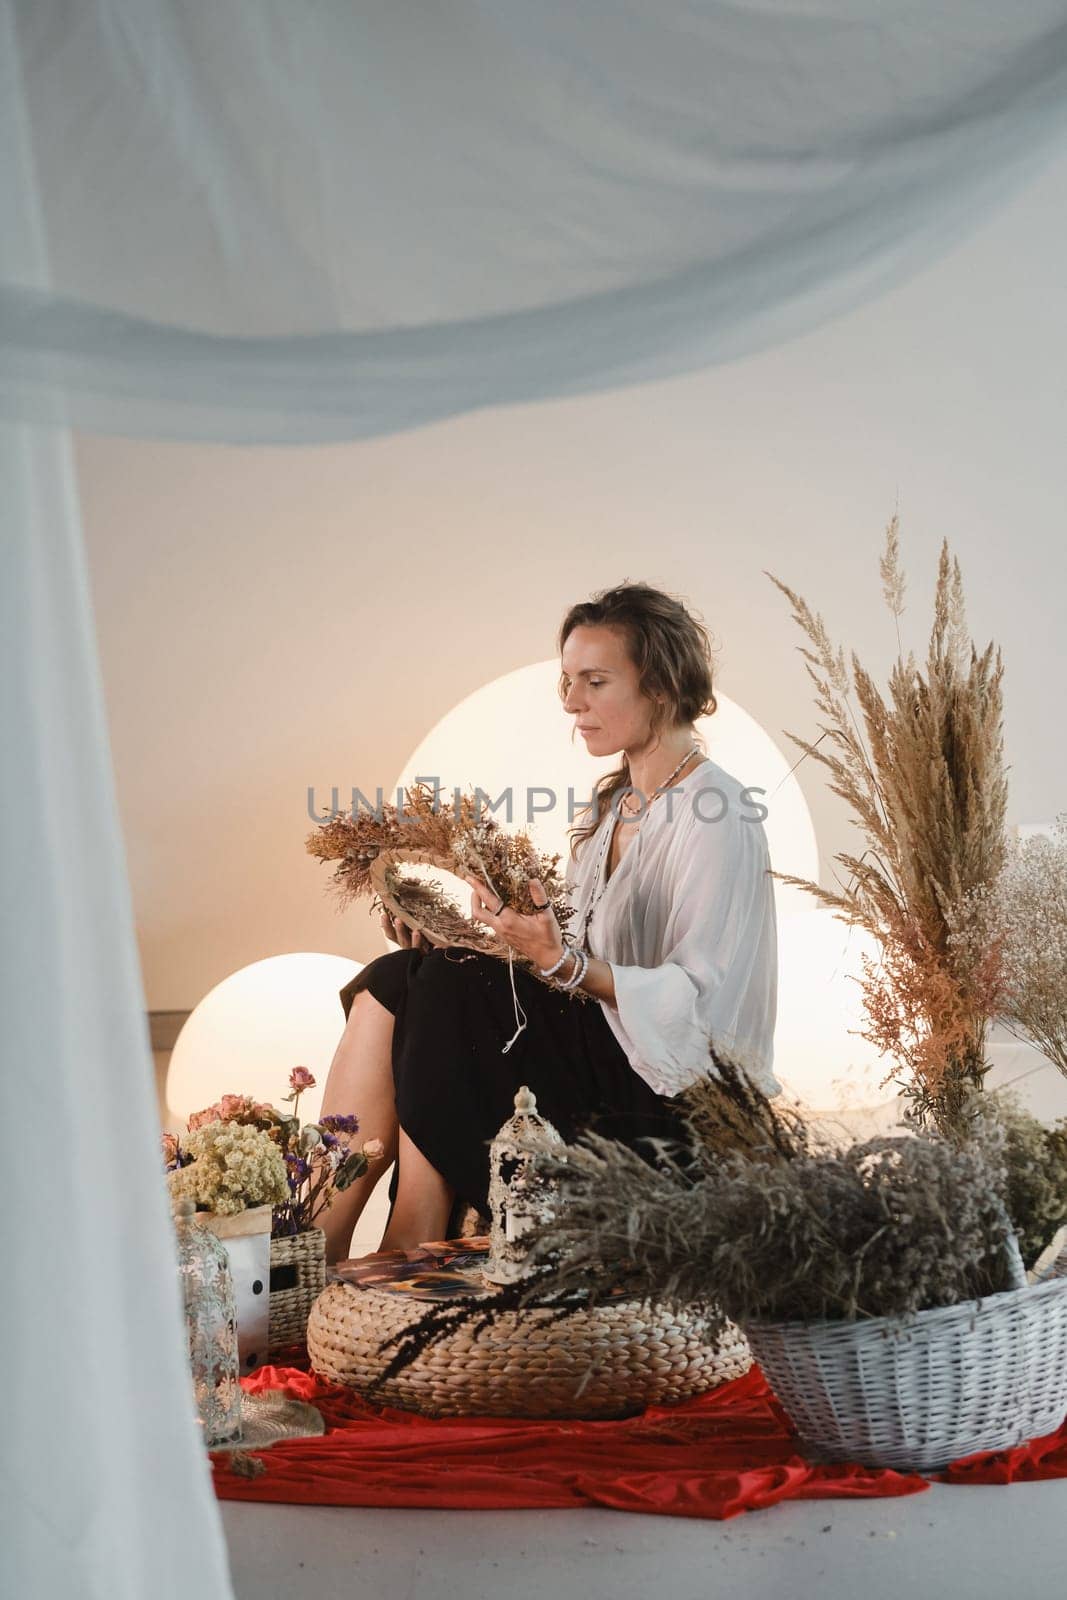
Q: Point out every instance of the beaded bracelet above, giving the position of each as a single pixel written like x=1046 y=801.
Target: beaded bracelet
x=581 y=967
x=550 y=972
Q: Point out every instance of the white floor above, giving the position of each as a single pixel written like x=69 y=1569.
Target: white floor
x=981 y=1543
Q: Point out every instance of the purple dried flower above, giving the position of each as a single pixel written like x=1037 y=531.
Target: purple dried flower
x=297 y=1170
x=346 y=1124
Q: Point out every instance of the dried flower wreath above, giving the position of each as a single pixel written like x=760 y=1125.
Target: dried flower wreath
x=371 y=848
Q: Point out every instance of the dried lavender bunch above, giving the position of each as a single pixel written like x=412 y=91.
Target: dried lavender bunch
x=725 y=1113
x=1034 y=1159
x=757 y=1215
x=884 y=1228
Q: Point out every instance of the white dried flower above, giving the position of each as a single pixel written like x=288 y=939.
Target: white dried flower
x=234 y=1166
x=1023 y=919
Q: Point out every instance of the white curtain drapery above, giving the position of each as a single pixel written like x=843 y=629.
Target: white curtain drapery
x=104 y=1486
x=279 y=223
x=253 y=221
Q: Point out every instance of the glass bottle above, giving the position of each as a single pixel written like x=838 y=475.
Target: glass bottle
x=211 y=1321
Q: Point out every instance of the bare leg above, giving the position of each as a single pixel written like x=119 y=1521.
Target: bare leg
x=423 y=1201
x=361 y=1081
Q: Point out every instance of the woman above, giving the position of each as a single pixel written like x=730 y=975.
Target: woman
x=672 y=944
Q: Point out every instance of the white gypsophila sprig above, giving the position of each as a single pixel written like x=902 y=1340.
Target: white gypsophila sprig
x=1023 y=918
x=232 y=1166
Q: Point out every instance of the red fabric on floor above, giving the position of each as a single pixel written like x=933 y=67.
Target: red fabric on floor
x=1026 y=1463
x=727 y=1452
x=730 y=1451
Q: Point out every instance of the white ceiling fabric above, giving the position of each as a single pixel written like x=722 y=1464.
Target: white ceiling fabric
x=280 y=223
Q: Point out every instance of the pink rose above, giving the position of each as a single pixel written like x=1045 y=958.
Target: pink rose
x=200 y=1119
x=300 y=1079
x=374 y=1149
x=233 y=1105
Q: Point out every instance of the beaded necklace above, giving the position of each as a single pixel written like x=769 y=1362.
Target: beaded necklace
x=520 y=1014
x=596 y=893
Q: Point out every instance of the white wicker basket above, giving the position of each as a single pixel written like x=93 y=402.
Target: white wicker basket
x=916 y=1395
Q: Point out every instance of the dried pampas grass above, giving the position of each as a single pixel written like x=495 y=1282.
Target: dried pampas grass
x=922 y=771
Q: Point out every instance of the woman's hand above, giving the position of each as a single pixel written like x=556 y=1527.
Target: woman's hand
x=408 y=938
x=537 y=938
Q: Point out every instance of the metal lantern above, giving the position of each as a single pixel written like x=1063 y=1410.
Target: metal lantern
x=519 y=1198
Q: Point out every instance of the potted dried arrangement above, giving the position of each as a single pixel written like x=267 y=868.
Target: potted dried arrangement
x=879 y=1284
x=250 y=1165
x=922 y=771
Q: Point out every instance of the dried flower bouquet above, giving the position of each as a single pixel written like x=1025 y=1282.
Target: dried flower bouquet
x=922 y=769
x=240 y=1153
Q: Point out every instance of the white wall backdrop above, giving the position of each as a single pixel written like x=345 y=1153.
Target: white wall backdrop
x=275 y=619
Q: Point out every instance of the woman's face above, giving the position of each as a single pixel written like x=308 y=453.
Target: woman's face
x=609 y=710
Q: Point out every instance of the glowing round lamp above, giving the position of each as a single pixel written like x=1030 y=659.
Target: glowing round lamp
x=817 y=1052
x=250 y=1031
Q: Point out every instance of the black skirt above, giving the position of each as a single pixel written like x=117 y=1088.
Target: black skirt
x=454 y=1085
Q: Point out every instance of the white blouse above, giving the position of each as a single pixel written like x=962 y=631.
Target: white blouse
x=687 y=924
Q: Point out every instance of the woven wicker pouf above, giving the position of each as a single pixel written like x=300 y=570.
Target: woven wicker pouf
x=525 y=1364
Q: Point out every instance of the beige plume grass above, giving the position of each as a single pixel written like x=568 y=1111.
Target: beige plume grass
x=921 y=768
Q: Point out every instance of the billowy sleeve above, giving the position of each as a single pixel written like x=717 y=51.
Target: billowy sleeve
x=717 y=978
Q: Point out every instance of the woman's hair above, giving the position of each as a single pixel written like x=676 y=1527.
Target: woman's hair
x=671 y=650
